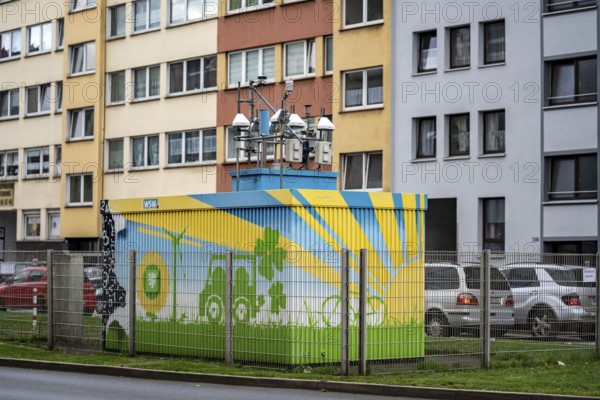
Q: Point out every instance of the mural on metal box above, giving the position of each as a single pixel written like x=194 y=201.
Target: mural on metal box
x=286 y=268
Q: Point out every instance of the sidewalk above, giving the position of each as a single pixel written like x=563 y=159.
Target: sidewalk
x=342 y=387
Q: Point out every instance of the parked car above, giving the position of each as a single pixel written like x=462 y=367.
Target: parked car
x=452 y=300
x=8 y=269
x=18 y=291
x=550 y=298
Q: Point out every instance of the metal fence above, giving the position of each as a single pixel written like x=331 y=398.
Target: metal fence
x=348 y=313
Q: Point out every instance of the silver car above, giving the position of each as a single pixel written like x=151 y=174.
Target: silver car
x=452 y=295
x=550 y=298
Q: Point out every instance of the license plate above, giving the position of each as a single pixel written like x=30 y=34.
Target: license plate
x=495 y=300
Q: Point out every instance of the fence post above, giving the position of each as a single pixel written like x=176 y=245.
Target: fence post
x=345 y=298
x=362 y=319
x=229 y=308
x=132 y=265
x=50 y=297
x=597 y=304
x=485 y=308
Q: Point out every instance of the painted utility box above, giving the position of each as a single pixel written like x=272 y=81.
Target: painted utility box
x=286 y=248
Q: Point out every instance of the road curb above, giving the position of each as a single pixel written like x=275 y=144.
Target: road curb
x=306 y=384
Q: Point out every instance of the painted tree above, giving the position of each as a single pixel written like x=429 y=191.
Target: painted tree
x=175 y=241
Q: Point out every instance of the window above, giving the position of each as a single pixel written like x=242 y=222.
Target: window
x=60 y=33
x=573 y=178
x=473 y=278
x=58 y=154
x=363 y=88
x=81 y=123
x=493 y=224
x=494 y=43
x=521 y=277
x=10 y=44
x=38 y=161
x=300 y=58
x=573 y=81
x=58 y=87
x=32 y=225
x=197 y=74
x=53 y=224
x=192 y=147
x=144 y=151
x=441 y=278
x=9 y=103
x=76 y=5
x=9 y=164
x=146 y=15
x=189 y=10
x=493 y=132
x=459 y=135
x=358 y=12
x=246 y=66
x=329 y=55
x=427 y=58
x=576 y=247
x=38 y=100
x=83 y=58
x=116 y=85
x=39 y=38
x=426 y=138
x=241 y=4
x=79 y=189
x=362 y=171
x=116 y=21
x=146 y=82
x=562 y=5
x=460 y=47
x=115 y=154
x=232 y=146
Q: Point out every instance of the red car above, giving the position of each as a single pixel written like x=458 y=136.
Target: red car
x=17 y=291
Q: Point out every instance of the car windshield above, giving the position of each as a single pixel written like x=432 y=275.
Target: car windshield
x=20 y=277
x=563 y=277
x=497 y=280
x=93 y=273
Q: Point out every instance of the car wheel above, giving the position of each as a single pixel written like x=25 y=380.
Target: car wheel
x=2 y=308
x=436 y=325
x=542 y=323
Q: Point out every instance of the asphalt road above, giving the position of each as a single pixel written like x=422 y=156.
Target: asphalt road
x=26 y=384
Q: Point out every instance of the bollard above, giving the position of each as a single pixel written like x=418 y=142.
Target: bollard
x=34 y=314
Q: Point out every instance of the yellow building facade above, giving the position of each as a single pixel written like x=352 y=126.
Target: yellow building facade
x=362 y=115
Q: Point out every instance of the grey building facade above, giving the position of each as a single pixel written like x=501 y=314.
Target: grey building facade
x=495 y=118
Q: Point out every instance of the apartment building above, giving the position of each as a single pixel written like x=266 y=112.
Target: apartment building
x=118 y=99
x=495 y=118
x=285 y=40
x=570 y=131
x=362 y=77
x=31 y=116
